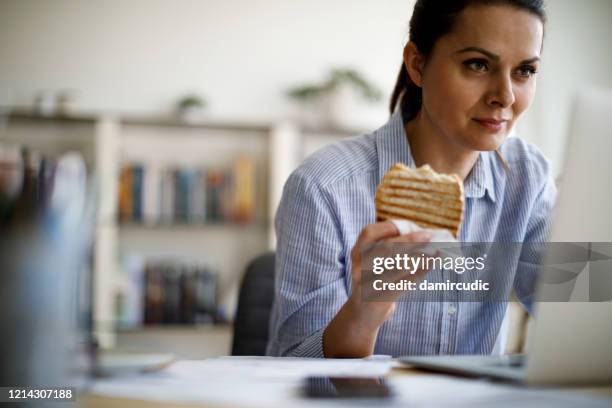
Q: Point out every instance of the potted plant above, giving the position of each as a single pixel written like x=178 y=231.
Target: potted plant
x=327 y=103
x=191 y=107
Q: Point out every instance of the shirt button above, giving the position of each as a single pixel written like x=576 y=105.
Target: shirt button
x=452 y=309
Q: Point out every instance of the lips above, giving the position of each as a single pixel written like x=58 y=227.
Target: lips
x=491 y=124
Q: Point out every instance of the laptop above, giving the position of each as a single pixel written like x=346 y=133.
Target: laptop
x=570 y=342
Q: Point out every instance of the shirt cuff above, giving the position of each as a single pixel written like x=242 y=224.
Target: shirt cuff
x=311 y=347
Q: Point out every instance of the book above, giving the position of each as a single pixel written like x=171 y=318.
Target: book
x=125 y=194
x=137 y=181
x=151 y=194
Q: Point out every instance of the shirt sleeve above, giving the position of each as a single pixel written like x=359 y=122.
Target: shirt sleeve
x=534 y=243
x=310 y=278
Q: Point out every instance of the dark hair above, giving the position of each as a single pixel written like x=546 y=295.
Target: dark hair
x=431 y=19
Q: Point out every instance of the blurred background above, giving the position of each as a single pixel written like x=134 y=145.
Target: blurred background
x=190 y=115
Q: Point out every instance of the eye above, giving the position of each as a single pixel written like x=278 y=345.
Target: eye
x=477 y=64
x=526 y=71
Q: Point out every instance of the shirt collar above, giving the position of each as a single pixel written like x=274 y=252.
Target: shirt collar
x=392 y=146
x=480 y=180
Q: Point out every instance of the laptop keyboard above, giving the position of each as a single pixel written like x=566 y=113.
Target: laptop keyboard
x=512 y=360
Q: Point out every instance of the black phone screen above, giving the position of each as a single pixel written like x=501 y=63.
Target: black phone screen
x=346 y=387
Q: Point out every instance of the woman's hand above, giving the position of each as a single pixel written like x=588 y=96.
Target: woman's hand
x=352 y=332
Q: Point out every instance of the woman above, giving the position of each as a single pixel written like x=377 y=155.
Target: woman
x=468 y=72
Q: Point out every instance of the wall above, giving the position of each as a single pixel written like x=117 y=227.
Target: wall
x=141 y=55
x=576 y=56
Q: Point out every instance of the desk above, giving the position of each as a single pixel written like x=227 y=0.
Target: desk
x=252 y=382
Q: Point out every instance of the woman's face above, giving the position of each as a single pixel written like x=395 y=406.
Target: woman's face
x=480 y=77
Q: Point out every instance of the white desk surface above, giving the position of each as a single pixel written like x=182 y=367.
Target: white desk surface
x=266 y=382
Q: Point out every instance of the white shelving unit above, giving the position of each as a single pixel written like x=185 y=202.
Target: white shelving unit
x=107 y=142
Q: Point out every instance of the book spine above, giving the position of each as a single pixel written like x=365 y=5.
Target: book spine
x=181 y=196
x=154 y=295
x=172 y=290
x=137 y=180
x=198 y=203
x=125 y=194
x=212 y=188
x=167 y=187
x=151 y=194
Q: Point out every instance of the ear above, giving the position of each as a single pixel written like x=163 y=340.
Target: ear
x=414 y=63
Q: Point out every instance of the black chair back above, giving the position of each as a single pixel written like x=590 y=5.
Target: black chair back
x=254 y=306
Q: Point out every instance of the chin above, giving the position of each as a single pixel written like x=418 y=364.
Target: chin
x=485 y=142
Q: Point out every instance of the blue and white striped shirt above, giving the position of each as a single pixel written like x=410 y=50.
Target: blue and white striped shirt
x=329 y=199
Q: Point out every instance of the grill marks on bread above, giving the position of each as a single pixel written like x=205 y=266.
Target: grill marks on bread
x=427 y=198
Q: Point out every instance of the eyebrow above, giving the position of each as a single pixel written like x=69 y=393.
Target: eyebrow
x=494 y=57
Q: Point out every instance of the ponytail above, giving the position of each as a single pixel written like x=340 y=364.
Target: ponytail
x=399 y=89
x=406 y=95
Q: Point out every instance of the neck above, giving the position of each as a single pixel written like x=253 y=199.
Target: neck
x=429 y=146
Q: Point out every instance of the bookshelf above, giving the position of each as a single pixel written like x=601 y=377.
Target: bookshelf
x=110 y=142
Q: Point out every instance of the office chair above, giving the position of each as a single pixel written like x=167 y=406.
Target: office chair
x=254 y=307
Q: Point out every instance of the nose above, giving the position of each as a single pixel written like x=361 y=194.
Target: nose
x=502 y=93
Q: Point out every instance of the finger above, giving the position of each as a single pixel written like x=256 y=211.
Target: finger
x=375 y=232
x=413 y=242
x=369 y=236
x=416 y=236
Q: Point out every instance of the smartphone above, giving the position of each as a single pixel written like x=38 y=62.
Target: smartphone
x=346 y=387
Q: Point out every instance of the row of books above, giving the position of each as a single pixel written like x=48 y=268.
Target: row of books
x=168 y=292
x=152 y=194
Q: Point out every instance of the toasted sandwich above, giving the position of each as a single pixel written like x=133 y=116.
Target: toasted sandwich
x=429 y=199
